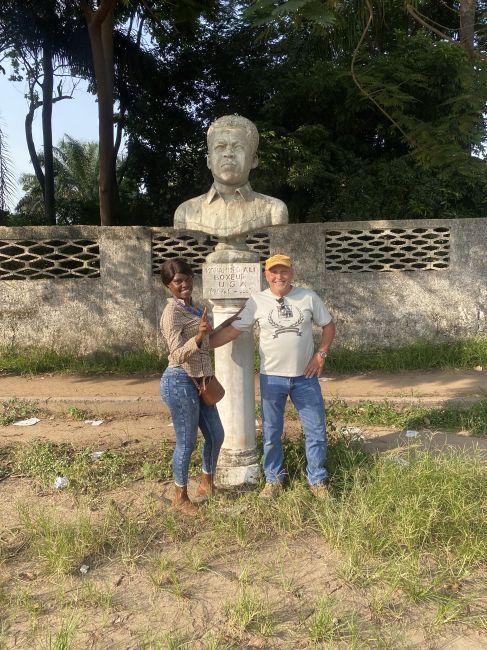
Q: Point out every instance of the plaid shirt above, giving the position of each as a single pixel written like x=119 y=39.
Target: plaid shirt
x=179 y=328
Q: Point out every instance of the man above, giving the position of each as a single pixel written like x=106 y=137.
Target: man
x=289 y=367
x=231 y=208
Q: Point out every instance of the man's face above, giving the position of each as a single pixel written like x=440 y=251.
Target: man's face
x=230 y=157
x=279 y=278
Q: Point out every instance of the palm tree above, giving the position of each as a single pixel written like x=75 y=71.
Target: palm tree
x=75 y=182
x=6 y=179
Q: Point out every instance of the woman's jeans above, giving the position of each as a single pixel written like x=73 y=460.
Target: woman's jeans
x=306 y=396
x=189 y=412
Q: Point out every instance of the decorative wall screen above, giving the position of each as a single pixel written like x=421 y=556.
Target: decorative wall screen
x=195 y=252
x=53 y=258
x=387 y=249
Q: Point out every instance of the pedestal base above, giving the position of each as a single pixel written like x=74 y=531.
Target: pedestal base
x=237 y=467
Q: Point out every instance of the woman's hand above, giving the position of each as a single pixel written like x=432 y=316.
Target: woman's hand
x=204 y=328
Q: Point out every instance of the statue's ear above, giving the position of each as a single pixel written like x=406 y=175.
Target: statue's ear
x=208 y=161
x=255 y=161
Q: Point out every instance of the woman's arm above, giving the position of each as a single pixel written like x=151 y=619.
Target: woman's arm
x=179 y=348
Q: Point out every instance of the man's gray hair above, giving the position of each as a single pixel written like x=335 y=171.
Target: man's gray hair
x=235 y=121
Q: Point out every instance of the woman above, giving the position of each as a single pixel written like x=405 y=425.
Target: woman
x=186 y=331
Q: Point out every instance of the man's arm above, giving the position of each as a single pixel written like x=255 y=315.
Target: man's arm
x=221 y=336
x=316 y=363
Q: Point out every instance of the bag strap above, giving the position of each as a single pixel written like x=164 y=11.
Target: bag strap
x=199 y=387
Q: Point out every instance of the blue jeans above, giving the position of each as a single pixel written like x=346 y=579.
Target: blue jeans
x=306 y=396
x=188 y=412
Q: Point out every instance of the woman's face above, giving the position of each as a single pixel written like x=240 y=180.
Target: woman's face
x=181 y=286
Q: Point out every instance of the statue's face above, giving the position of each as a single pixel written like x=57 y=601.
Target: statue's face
x=230 y=156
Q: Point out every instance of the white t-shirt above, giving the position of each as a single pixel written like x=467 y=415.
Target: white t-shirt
x=286 y=328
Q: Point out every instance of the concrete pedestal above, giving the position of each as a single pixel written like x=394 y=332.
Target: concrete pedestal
x=234 y=367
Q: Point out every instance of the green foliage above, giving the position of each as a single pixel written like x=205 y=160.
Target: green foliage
x=76 y=186
x=384 y=123
x=60 y=546
x=395 y=515
x=38 y=361
x=15 y=409
x=77 y=414
x=6 y=179
x=422 y=355
x=462 y=355
x=460 y=417
x=331 y=153
x=44 y=461
x=161 y=468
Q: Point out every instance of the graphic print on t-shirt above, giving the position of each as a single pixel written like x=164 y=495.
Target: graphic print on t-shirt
x=285 y=318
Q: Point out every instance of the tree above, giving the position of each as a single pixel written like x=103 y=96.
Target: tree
x=39 y=40
x=372 y=115
x=6 y=180
x=76 y=185
x=174 y=91
x=101 y=25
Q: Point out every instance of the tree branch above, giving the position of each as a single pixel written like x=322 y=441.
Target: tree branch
x=359 y=85
x=422 y=21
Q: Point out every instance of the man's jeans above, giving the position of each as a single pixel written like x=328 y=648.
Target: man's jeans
x=188 y=412
x=306 y=396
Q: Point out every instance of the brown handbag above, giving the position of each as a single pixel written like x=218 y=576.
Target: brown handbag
x=210 y=390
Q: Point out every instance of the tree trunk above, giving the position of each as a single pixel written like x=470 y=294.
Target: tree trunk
x=100 y=29
x=467 y=26
x=47 y=87
x=31 y=146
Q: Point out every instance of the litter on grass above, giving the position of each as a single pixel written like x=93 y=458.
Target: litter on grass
x=84 y=568
x=94 y=423
x=26 y=423
x=412 y=434
x=96 y=455
x=60 y=482
x=397 y=460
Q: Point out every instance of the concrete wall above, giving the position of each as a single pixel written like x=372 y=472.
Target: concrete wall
x=120 y=310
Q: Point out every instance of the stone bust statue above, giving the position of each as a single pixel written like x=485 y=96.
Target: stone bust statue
x=230 y=209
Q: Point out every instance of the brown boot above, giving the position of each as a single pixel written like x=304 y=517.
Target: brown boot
x=181 y=502
x=206 y=488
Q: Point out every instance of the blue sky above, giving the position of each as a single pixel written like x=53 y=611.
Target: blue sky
x=77 y=117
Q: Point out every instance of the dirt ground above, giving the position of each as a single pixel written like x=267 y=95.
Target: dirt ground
x=290 y=573
x=121 y=605
x=141 y=392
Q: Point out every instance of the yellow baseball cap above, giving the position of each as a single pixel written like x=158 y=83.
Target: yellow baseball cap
x=285 y=260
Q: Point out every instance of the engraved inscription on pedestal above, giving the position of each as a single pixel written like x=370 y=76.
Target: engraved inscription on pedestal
x=231 y=280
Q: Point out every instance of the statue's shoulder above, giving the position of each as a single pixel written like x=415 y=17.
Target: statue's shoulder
x=188 y=212
x=276 y=207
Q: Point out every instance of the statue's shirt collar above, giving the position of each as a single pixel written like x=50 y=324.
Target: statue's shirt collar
x=244 y=192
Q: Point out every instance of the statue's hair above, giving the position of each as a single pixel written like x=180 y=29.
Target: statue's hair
x=235 y=121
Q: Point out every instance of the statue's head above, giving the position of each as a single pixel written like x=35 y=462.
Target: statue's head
x=232 y=149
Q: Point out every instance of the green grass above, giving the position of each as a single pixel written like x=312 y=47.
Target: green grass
x=462 y=355
x=16 y=409
x=44 y=461
x=38 y=361
x=414 y=526
x=249 y=613
x=60 y=546
x=458 y=417
x=405 y=535
x=86 y=473
x=77 y=414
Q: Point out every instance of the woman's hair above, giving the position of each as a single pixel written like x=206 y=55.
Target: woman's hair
x=171 y=267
